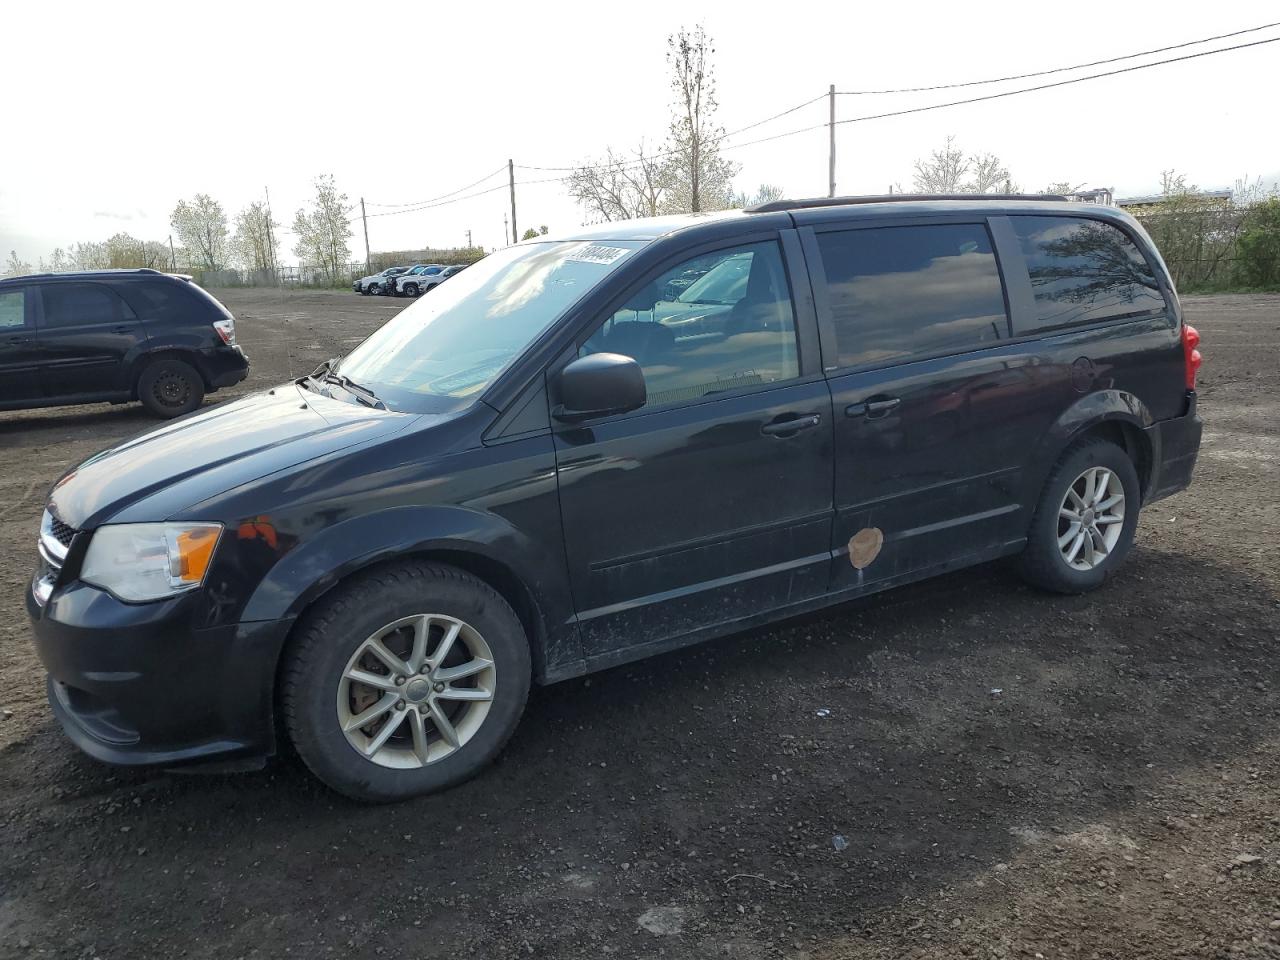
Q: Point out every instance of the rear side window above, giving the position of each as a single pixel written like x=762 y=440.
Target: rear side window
x=901 y=292
x=13 y=309
x=1084 y=270
x=75 y=304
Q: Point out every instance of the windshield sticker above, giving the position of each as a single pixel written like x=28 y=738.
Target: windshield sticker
x=595 y=253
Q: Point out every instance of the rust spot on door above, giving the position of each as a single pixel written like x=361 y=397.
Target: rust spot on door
x=864 y=547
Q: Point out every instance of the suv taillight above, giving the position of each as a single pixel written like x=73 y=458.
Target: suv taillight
x=226 y=330
x=1191 y=356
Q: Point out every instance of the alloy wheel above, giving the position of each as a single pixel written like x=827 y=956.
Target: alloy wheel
x=1091 y=518
x=416 y=691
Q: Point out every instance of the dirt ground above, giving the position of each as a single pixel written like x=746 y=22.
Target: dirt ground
x=964 y=768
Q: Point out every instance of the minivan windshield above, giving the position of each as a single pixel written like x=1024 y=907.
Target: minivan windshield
x=449 y=346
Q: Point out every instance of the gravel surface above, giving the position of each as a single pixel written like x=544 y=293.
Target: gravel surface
x=847 y=785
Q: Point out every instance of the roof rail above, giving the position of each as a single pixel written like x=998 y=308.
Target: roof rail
x=775 y=205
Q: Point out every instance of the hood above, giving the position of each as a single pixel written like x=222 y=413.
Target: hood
x=231 y=444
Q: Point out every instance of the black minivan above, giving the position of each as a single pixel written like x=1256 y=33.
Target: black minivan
x=114 y=335
x=584 y=451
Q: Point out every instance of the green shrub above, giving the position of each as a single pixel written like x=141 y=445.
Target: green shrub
x=1258 y=245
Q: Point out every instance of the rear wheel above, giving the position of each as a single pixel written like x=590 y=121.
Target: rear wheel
x=406 y=681
x=1085 y=520
x=170 y=388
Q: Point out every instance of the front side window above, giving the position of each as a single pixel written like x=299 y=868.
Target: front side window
x=13 y=309
x=448 y=347
x=1084 y=270
x=76 y=304
x=912 y=291
x=717 y=322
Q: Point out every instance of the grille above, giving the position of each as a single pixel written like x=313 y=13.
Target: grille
x=61 y=531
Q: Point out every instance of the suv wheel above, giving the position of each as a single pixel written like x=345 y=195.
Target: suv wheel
x=1085 y=520
x=406 y=681
x=411 y=289
x=170 y=388
x=375 y=288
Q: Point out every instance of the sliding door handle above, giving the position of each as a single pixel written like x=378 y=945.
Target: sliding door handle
x=786 y=428
x=872 y=409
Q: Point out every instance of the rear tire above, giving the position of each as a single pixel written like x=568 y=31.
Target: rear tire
x=1085 y=519
x=170 y=388
x=435 y=740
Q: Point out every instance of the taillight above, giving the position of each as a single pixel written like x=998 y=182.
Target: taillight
x=226 y=330
x=1191 y=356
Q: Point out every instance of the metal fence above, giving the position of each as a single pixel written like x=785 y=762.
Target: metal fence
x=1197 y=244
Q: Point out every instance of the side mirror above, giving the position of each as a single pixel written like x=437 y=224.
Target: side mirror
x=599 y=385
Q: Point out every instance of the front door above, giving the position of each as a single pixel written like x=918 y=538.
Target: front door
x=916 y=324
x=712 y=503
x=19 y=349
x=86 y=331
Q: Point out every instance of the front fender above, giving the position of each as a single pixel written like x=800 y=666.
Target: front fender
x=320 y=561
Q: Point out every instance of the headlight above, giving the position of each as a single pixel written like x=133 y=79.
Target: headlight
x=148 y=561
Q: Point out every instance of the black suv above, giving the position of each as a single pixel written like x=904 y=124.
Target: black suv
x=567 y=458
x=114 y=335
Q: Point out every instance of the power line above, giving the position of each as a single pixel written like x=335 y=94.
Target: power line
x=724 y=136
x=1043 y=73
x=1006 y=93
x=443 y=196
x=445 y=201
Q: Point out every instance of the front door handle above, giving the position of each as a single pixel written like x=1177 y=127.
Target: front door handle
x=786 y=428
x=872 y=409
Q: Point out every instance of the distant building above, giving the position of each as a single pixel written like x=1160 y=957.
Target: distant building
x=1096 y=195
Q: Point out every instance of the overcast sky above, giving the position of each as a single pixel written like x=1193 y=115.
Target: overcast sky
x=118 y=110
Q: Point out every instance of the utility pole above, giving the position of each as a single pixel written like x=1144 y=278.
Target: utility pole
x=831 y=131
x=367 y=269
x=271 y=240
x=173 y=259
x=468 y=239
x=511 y=177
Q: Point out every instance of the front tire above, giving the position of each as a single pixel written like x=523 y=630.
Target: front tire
x=407 y=680
x=411 y=289
x=1085 y=519
x=375 y=289
x=170 y=388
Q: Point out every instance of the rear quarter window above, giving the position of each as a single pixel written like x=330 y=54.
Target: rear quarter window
x=902 y=292
x=172 y=300
x=1083 y=271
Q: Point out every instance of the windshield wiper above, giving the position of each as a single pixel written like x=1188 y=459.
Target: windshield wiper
x=325 y=374
x=363 y=394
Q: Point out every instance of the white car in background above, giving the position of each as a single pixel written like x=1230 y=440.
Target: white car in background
x=418 y=279
x=377 y=283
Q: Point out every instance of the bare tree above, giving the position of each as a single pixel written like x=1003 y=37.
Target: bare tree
x=949 y=170
x=254 y=243
x=698 y=178
x=16 y=266
x=324 y=230
x=620 y=187
x=943 y=171
x=59 y=262
x=1062 y=187
x=765 y=193
x=89 y=256
x=202 y=227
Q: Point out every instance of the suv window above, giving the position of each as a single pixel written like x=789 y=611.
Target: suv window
x=691 y=347
x=161 y=299
x=72 y=304
x=898 y=292
x=13 y=309
x=1084 y=270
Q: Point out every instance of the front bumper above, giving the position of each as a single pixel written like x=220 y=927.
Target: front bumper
x=141 y=684
x=1175 y=445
